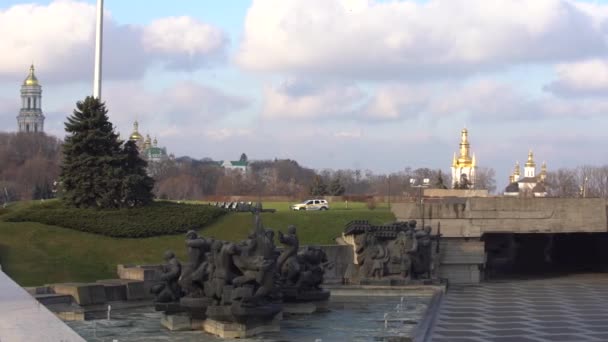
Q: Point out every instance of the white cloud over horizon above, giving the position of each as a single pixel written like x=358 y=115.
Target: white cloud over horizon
x=408 y=40
x=333 y=83
x=584 y=78
x=59 y=39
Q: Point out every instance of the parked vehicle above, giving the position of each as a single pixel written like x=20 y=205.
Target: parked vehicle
x=313 y=204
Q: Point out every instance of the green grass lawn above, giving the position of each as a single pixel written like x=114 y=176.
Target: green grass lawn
x=36 y=254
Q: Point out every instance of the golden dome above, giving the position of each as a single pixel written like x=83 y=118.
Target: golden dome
x=135 y=136
x=147 y=142
x=530 y=162
x=465 y=158
x=31 y=79
x=517 y=169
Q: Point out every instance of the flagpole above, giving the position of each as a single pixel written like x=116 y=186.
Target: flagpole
x=98 y=51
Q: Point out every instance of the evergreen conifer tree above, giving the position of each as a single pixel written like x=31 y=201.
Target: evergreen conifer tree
x=318 y=187
x=137 y=185
x=92 y=173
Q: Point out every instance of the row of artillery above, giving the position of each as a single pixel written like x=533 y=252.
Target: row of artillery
x=241 y=206
x=241 y=282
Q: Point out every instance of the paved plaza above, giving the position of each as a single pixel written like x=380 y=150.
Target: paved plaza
x=570 y=308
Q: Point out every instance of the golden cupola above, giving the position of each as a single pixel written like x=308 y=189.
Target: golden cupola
x=465 y=157
x=148 y=142
x=31 y=79
x=135 y=136
x=463 y=165
x=530 y=162
x=516 y=171
x=543 y=172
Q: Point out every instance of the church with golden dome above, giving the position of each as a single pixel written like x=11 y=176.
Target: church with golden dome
x=463 y=165
x=148 y=148
x=30 y=118
x=530 y=185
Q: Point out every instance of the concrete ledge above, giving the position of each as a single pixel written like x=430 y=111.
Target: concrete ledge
x=83 y=293
x=372 y=290
x=176 y=322
x=51 y=299
x=237 y=330
x=133 y=289
x=138 y=272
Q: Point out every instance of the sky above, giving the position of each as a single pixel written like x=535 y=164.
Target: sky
x=365 y=84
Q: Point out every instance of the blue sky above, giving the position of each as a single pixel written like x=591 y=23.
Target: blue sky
x=367 y=84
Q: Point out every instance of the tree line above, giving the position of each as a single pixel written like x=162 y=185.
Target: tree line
x=31 y=166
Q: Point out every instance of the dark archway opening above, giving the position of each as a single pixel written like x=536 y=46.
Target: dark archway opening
x=544 y=255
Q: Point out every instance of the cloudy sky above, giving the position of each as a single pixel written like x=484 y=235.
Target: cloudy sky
x=366 y=84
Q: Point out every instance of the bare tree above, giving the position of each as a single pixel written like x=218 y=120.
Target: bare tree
x=562 y=183
x=485 y=178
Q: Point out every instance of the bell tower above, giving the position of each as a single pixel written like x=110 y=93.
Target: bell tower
x=31 y=119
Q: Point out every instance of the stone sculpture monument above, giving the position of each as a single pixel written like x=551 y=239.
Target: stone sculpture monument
x=395 y=254
x=168 y=291
x=301 y=274
x=238 y=289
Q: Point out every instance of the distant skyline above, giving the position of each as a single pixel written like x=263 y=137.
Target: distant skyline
x=365 y=84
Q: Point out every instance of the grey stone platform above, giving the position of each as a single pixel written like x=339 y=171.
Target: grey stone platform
x=23 y=318
x=573 y=308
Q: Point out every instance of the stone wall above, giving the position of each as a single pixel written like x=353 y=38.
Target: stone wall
x=472 y=217
x=455 y=193
x=463 y=222
x=461 y=260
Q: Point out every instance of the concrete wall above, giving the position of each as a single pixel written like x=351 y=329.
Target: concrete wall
x=463 y=222
x=461 y=260
x=455 y=193
x=472 y=217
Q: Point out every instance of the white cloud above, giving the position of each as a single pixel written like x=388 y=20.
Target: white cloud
x=353 y=134
x=486 y=101
x=588 y=77
x=59 y=39
x=298 y=99
x=183 y=108
x=482 y=100
x=405 y=39
x=221 y=134
x=396 y=101
x=183 y=38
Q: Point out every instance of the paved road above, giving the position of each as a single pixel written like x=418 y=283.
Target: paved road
x=573 y=309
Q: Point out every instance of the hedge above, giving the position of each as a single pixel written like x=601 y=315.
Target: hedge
x=160 y=218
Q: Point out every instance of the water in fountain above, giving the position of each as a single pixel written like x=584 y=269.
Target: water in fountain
x=349 y=319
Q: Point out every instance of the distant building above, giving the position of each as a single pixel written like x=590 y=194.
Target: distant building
x=234 y=165
x=148 y=148
x=152 y=153
x=464 y=167
x=30 y=118
x=530 y=185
